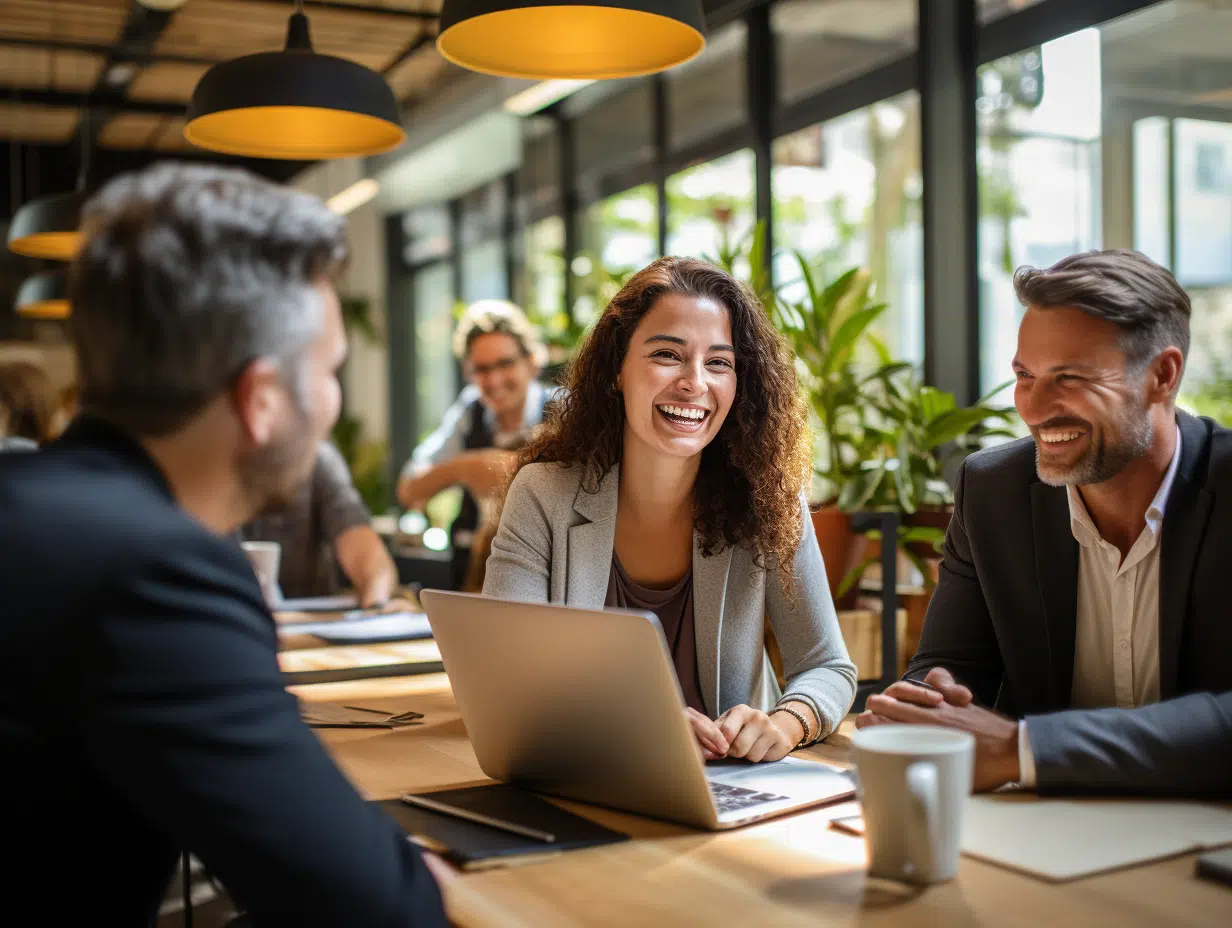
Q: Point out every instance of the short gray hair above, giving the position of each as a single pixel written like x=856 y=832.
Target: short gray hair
x=1124 y=287
x=188 y=273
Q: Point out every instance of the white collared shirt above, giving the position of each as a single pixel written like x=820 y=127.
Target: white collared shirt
x=1116 y=638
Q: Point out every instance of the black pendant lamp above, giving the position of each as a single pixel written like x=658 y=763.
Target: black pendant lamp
x=44 y=296
x=294 y=104
x=47 y=227
x=548 y=39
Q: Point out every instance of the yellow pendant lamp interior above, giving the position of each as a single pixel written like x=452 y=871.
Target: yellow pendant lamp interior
x=44 y=296
x=47 y=227
x=547 y=39
x=294 y=104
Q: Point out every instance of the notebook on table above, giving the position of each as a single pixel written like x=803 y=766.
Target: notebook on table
x=1065 y=839
x=472 y=846
x=372 y=629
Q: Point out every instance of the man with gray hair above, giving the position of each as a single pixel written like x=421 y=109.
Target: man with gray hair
x=143 y=710
x=1084 y=582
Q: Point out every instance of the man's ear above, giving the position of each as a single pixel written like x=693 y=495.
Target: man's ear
x=258 y=397
x=1166 y=371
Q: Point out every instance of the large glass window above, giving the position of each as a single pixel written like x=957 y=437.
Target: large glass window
x=822 y=44
x=710 y=207
x=614 y=134
x=848 y=193
x=543 y=296
x=485 y=271
x=1114 y=136
x=436 y=379
x=1038 y=158
x=619 y=235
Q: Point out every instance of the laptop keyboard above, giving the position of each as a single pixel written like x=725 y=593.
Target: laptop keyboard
x=728 y=798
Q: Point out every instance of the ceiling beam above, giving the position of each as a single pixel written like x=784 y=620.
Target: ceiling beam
x=366 y=8
x=101 y=48
x=424 y=38
x=75 y=100
x=141 y=32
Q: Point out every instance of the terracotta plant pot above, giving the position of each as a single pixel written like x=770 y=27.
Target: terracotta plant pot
x=837 y=543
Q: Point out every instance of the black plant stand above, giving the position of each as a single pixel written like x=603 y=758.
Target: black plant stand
x=887 y=522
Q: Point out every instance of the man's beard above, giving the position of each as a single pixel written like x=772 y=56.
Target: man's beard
x=272 y=477
x=1103 y=459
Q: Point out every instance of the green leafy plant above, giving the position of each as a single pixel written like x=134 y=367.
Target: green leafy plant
x=841 y=364
x=1212 y=396
x=924 y=430
x=921 y=429
x=884 y=437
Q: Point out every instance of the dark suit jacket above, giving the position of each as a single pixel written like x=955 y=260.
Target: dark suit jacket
x=1004 y=613
x=142 y=711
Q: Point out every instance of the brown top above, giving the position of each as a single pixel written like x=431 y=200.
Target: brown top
x=674 y=609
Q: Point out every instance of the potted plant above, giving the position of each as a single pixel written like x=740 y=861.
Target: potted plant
x=841 y=364
x=922 y=431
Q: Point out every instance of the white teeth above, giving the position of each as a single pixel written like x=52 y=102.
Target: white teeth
x=1053 y=438
x=684 y=413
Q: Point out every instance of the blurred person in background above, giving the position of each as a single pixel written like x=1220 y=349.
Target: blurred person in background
x=475 y=444
x=326 y=523
x=27 y=406
x=143 y=702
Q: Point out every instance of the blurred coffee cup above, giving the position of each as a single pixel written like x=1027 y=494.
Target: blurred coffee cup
x=265 y=557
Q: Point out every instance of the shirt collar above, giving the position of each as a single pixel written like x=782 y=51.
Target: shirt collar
x=1084 y=530
x=532 y=411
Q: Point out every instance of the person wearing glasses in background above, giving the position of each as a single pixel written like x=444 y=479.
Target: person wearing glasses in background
x=474 y=446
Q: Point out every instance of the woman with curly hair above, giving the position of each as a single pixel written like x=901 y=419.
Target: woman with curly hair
x=669 y=478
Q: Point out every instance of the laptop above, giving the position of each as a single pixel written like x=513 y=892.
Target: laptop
x=584 y=704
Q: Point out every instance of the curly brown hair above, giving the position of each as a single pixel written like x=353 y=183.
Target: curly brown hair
x=751 y=475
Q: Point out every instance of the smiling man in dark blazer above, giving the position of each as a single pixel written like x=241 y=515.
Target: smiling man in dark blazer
x=142 y=711
x=1086 y=584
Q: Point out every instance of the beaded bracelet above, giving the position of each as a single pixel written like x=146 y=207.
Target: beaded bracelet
x=799 y=718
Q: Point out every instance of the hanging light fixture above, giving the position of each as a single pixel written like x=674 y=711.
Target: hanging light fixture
x=47 y=227
x=44 y=296
x=546 y=39
x=294 y=104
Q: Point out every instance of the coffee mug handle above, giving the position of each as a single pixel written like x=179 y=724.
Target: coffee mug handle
x=922 y=829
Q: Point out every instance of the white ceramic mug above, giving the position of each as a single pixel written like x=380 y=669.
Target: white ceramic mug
x=914 y=781
x=265 y=556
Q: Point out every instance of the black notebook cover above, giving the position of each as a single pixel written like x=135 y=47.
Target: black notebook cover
x=471 y=846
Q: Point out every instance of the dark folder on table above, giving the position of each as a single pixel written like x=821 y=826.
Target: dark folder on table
x=472 y=846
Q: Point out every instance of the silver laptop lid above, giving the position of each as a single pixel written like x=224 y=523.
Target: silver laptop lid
x=579 y=703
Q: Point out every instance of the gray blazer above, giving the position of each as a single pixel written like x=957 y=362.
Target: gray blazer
x=555 y=544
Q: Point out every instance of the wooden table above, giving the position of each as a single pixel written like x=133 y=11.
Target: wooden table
x=789 y=871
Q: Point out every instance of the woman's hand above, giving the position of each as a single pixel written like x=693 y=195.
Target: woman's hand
x=756 y=736
x=714 y=744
